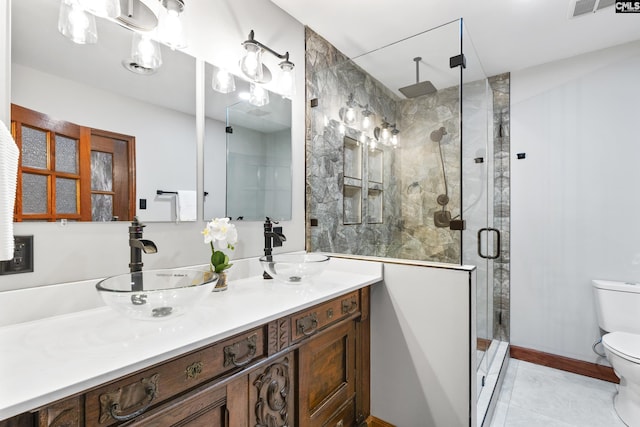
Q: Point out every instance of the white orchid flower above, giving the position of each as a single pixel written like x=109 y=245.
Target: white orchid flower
x=223 y=234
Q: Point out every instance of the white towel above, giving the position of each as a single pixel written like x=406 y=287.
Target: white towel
x=187 y=205
x=9 y=155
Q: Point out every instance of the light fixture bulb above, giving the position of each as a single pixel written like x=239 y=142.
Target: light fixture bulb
x=366 y=121
x=350 y=116
x=385 y=134
x=341 y=128
x=363 y=137
x=251 y=62
x=171 y=30
x=145 y=51
x=223 y=81
x=394 y=137
x=76 y=24
x=102 y=8
x=287 y=79
x=373 y=145
x=258 y=95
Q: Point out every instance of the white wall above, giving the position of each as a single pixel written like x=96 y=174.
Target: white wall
x=422 y=364
x=575 y=198
x=85 y=251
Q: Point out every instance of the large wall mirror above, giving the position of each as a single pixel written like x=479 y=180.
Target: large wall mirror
x=247 y=154
x=152 y=114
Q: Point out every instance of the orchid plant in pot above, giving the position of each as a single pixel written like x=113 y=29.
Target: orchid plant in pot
x=220 y=235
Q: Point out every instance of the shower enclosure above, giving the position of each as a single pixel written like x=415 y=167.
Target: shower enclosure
x=401 y=163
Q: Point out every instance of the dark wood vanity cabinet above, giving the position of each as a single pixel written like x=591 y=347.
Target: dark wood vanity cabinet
x=307 y=369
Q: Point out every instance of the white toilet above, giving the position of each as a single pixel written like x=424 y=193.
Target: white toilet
x=618 y=310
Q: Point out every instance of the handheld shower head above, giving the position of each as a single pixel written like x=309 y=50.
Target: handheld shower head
x=436 y=135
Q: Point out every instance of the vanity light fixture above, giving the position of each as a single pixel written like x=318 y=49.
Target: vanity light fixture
x=252 y=66
x=223 y=81
x=170 y=29
x=76 y=24
x=387 y=134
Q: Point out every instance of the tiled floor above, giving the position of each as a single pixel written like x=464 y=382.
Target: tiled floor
x=534 y=395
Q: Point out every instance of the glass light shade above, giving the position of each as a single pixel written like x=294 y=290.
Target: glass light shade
x=385 y=134
x=145 y=51
x=76 y=24
x=363 y=137
x=102 y=8
x=341 y=128
x=223 y=81
x=394 y=140
x=251 y=62
x=287 y=79
x=171 y=31
x=366 y=121
x=258 y=95
x=350 y=116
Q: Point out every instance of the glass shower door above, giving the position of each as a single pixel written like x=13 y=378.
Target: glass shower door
x=480 y=241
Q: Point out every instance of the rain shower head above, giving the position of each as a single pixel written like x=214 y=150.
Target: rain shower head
x=418 y=88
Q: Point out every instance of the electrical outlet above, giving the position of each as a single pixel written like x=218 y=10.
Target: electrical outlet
x=22 y=261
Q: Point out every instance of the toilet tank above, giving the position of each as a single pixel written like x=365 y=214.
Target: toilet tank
x=617 y=305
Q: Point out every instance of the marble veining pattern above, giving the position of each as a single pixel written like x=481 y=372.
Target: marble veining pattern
x=534 y=395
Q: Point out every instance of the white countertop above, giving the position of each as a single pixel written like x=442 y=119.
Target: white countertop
x=49 y=359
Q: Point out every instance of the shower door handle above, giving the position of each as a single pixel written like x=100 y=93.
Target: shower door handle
x=497 y=248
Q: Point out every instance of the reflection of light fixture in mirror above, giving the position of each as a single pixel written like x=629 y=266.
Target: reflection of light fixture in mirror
x=366 y=117
x=102 y=8
x=258 y=95
x=386 y=133
x=145 y=51
x=76 y=24
x=223 y=81
x=170 y=29
x=394 y=137
x=252 y=66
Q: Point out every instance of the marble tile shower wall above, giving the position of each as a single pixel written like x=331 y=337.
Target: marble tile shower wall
x=412 y=175
x=331 y=77
x=500 y=86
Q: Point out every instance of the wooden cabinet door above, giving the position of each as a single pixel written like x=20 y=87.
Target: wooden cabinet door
x=271 y=394
x=326 y=376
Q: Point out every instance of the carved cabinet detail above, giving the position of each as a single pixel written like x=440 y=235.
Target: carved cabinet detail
x=309 y=368
x=271 y=395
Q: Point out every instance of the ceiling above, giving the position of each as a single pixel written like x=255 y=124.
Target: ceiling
x=508 y=35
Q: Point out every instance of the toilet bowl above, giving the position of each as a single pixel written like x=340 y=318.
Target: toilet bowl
x=618 y=311
x=623 y=352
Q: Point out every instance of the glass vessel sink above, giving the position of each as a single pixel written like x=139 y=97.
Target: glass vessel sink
x=294 y=268
x=156 y=294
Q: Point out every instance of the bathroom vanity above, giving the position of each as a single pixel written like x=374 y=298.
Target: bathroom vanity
x=262 y=353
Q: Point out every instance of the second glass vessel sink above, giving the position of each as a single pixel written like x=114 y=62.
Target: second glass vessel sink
x=294 y=268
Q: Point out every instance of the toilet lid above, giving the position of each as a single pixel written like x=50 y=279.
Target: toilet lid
x=623 y=344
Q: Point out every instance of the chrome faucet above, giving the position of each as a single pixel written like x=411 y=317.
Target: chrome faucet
x=138 y=245
x=273 y=237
